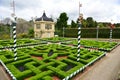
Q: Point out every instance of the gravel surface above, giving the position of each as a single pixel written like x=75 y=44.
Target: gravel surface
x=3 y=75
x=107 y=68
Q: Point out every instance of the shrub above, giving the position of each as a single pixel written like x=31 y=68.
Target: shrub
x=13 y=69
x=32 y=68
x=22 y=75
x=47 y=78
x=75 y=69
x=22 y=62
x=22 y=35
x=42 y=74
x=58 y=72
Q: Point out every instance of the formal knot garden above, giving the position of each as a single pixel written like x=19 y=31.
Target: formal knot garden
x=51 y=58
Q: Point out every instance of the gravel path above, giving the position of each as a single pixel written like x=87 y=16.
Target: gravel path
x=3 y=75
x=107 y=68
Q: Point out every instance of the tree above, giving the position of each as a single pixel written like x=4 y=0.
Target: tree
x=62 y=21
x=117 y=25
x=100 y=25
x=84 y=23
x=73 y=24
x=95 y=24
x=91 y=22
x=31 y=33
x=23 y=26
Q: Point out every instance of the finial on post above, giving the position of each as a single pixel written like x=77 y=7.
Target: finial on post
x=80 y=18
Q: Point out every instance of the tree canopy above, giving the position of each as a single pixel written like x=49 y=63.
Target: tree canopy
x=62 y=21
x=73 y=24
x=89 y=22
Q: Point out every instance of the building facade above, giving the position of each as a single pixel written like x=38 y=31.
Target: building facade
x=44 y=27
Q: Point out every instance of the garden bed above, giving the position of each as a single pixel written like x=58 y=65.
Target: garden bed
x=99 y=45
x=35 y=63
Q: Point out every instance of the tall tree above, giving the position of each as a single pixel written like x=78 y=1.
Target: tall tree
x=84 y=23
x=91 y=22
x=62 y=21
x=73 y=24
x=31 y=33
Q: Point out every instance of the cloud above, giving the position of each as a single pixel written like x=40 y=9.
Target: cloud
x=100 y=10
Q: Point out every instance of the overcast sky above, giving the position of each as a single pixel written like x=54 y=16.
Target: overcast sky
x=100 y=10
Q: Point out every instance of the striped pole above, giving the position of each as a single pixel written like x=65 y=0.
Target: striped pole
x=111 y=29
x=13 y=22
x=14 y=37
x=79 y=36
x=111 y=35
x=79 y=32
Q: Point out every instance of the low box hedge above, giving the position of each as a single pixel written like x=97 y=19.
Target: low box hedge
x=41 y=75
x=47 y=78
x=61 y=74
x=23 y=75
x=34 y=69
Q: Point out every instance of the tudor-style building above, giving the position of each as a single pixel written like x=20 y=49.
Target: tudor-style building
x=44 y=27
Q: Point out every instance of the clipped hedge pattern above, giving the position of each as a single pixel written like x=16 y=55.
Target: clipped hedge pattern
x=19 y=42
x=105 y=46
x=34 y=68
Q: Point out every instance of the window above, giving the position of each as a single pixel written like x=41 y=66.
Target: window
x=48 y=26
x=37 y=26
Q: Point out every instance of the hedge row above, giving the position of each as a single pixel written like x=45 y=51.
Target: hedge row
x=90 y=33
x=105 y=46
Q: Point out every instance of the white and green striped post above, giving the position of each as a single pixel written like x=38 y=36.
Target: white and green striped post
x=79 y=36
x=111 y=35
x=13 y=23
x=111 y=30
x=14 y=36
x=79 y=32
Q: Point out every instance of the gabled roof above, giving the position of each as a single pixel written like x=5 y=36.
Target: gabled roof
x=44 y=18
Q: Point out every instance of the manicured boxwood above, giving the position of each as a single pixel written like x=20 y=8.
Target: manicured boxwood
x=75 y=68
x=20 y=62
x=39 y=76
x=32 y=68
x=47 y=78
x=13 y=69
x=23 y=75
x=95 y=44
x=68 y=61
x=49 y=66
x=61 y=74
